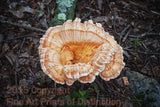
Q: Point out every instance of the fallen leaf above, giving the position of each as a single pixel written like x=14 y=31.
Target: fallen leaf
x=11 y=57
x=20 y=13
x=22 y=61
x=101 y=19
x=43 y=22
x=26 y=23
x=120 y=82
x=25 y=55
x=35 y=40
x=41 y=5
x=40 y=14
x=13 y=5
x=5 y=47
x=125 y=80
x=27 y=9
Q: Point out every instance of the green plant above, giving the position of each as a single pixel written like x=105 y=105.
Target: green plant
x=39 y=11
x=76 y=95
x=137 y=42
x=139 y=98
x=82 y=93
x=37 y=51
x=96 y=89
x=41 y=81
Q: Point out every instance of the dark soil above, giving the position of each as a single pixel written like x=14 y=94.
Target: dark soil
x=134 y=24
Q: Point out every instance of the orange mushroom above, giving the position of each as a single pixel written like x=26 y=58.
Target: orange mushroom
x=76 y=51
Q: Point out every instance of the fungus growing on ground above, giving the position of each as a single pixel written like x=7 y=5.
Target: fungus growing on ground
x=80 y=51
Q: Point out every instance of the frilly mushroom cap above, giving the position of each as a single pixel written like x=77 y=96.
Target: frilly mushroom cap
x=76 y=51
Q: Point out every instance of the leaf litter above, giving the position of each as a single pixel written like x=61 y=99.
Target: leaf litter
x=142 y=17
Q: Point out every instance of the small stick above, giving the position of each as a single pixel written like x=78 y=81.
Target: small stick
x=122 y=33
x=30 y=35
x=145 y=52
x=156 y=26
x=151 y=34
x=22 y=26
x=97 y=98
x=114 y=18
x=125 y=37
x=55 y=85
x=82 y=87
x=16 y=64
x=100 y=85
x=94 y=10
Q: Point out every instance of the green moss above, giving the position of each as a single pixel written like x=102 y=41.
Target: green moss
x=54 y=21
x=61 y=16
x=70 y=12
x=66 y=3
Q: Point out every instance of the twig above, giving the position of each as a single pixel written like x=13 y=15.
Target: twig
x=128 y=9
x=114 y=18
x=55 y=85
x=125 y=37
x=154 y=28
x=4 y=52
x=100 y=85
x=94 y=10
x=155 y=12
x=82 y=87
x=114 y=23
x=115 y=91
x=97 y=98
x=16 y=63
x=29 y=69
x=30 y=35
x=144 y=45
x=122 y=33
x=144 y=8
x=138 y=5
x=22 y=26
x=86 y=15
x=145 y=52
x=150 y=34
x=135 y=36
x=121 y=94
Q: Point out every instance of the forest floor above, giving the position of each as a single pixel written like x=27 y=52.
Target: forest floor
x=134 y=24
